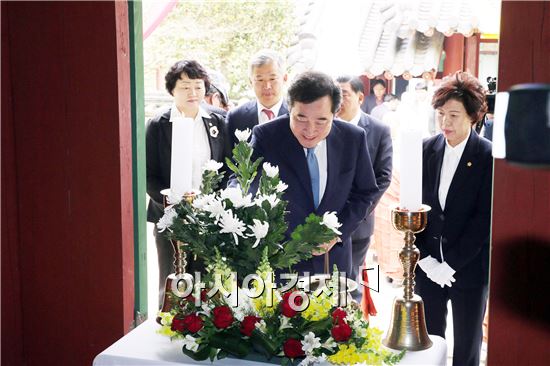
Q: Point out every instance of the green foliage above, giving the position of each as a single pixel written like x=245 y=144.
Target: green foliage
x=209 y=225
x=245 y=170
x=222 y=35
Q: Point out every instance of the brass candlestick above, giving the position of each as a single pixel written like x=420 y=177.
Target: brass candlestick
x=408 y=325
x=180 y=261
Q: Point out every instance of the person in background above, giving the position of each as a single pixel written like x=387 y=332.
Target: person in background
x=267 y=77
x=376 y=98
x=325 y=163
x=187 y=82
x=487 y=128
x=379 y=145
x=391 y=101
x=216 y=99
x=454 y=247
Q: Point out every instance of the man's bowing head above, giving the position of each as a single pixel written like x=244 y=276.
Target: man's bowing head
x=314 y=99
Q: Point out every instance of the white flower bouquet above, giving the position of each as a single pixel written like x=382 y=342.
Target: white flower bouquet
x=237 y=225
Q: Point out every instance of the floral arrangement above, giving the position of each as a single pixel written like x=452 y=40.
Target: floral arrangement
x=242 y=235
x=239 y=225
x=294 y=325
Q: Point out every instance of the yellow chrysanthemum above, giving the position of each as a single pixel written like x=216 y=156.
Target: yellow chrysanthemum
x=265 y=306
x=318 y=309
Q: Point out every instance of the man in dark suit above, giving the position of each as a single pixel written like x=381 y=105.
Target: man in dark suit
x=325 y=163
x=267 y=77
x=380 y=150
x=376 y=97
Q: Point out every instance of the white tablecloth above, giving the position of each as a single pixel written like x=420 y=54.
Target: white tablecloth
x=143 y=346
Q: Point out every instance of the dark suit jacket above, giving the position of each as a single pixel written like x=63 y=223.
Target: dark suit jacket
x=464 y=225
x=246 y=116
x=159 y=155
x=380 y=150
x=351 y=187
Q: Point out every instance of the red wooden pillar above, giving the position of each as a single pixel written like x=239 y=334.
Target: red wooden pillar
x=67 y=229
x=471 y=54
x=454 y=54
x=519 y=320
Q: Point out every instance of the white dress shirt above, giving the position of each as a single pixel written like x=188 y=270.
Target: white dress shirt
x=451 y=158
x=201 y=145
x=321 y=155
x=262 y=117
x=355 y=120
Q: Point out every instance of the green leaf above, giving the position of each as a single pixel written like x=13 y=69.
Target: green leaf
x=202 y=353
x=233 y=345
x=264 y=344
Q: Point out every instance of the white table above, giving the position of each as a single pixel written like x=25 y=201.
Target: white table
x=143 y=346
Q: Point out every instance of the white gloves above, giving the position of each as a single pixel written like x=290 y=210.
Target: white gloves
x=440 y=273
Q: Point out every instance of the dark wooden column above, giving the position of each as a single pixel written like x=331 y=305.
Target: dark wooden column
x=67 y=229
x=519 y=320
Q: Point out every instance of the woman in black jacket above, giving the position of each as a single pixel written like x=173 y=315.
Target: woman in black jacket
x=187 y=81
x=454 y=247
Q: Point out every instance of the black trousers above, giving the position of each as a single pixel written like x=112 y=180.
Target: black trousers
x=359 y=250
x=468 y=306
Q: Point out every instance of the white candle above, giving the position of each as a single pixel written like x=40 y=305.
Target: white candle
x=410 y=164
x=181 y=168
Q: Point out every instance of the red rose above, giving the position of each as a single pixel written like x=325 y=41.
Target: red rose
x=293 y=348
x=223 y=317
x=341 y=332
x=191 y=298
x=286 y=309
x=338 y=315
x=178 y=325
x=249 y=324
x=193 y=323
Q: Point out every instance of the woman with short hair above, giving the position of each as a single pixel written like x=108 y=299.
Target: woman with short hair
x=454 y=247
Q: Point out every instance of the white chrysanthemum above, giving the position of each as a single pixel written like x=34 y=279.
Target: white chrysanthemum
x=243 y=135
x=281 y=187
x=202 y=201
x=167 y=219
x=212 y=165
x=215 y=207
x=259 y=230
x=310 y=342
x=231 y=224
x=235 y=195
x=190 y=343
x=330 y=220
x=272 y=199
x=271 y=170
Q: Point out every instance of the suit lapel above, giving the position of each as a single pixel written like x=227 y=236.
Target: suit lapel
x=252 y=113
x=294 y=154
x=434 y=166
x=283 y=110
x=214 y=142
x=464 y=169
x=166 y=130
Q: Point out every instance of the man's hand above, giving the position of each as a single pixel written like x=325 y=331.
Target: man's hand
x=325 y=247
